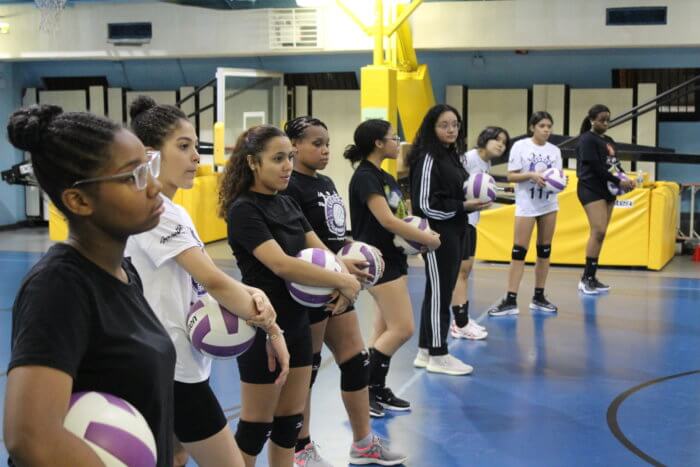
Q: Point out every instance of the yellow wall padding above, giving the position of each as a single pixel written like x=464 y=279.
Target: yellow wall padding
x=201 y=202
x=663 y=224
x=626 y=242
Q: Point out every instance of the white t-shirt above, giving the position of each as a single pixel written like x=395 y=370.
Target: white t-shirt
x=168 y=288
x=474 y=164
x=526 y=156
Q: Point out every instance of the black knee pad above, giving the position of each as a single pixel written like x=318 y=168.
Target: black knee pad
x=286 y=429
x=354 y=373
x=315 y=366
x=252 y=436
x=519 y=253
x=543 y=251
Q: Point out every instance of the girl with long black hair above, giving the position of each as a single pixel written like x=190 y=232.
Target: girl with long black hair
x=437 y=177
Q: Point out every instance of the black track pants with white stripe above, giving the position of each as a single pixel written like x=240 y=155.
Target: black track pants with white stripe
x=441 y=271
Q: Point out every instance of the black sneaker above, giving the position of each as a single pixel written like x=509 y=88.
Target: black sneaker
x=599 y=286
x=375 y=408
x=504 y=308
x=386 y=398
x=542 y=304
x=587 y=286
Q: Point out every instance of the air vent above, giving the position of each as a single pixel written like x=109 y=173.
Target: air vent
x=636 y=16
x=129 y=33
x=293 y=28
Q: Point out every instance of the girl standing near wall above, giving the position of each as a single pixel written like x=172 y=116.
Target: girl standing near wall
x=595 y=158
x=534 y=204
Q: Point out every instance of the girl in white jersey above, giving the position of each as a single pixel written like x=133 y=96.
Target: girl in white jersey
x=175 y=269
x=534 y=204
x=491 y=144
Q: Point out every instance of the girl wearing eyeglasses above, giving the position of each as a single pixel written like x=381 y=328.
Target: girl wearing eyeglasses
x=266 y=230
x=437 y=178
x=376 y=210
x=324 y=209
x=80 y=321
x=175 y=270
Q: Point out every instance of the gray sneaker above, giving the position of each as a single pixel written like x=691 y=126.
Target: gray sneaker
x=587 y=286
x=376 y=453
x=542 y=304
x=503 y=308
x=310 y=457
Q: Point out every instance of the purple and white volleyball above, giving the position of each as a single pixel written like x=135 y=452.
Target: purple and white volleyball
x=215 y=331
x=368 y=253
x=554 y=179
x=615 y=189
x=113 y=428
x=409 y=247
x=480 y=186
x=309 y=295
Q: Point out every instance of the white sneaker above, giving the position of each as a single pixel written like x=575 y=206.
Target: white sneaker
x=470 y=331
x=310 y=457
x=421 y=360
x=483 y=328
x=448 y=365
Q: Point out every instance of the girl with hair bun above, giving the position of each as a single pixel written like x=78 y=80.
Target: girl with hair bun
x=80 y=321
x=324 y=209
x=176 y=270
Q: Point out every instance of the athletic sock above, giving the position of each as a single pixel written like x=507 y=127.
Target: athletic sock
x=591 y=267
x=461 y=314
x=539 y=293
x=378 y=368
x=511 y=298
x=302 y=443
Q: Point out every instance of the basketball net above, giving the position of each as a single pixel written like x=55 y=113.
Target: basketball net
x=50 y=14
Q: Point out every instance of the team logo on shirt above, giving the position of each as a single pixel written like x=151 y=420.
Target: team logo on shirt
x=334 y=209
x=394 y=199
x=540 y=163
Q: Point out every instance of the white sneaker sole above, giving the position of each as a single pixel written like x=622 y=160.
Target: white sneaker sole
x=459 y=335
x=395 y=409
x=534 y=307
x=445 y=371
x=366 y=461
x=582 y=289
x=513 y=311
x=420 y=363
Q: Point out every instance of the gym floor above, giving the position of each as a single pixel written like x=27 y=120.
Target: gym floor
x=610 y=380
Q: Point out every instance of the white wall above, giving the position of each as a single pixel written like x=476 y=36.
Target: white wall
x=181 y=31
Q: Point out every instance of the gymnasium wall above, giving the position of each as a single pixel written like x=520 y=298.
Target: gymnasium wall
x=497 y=69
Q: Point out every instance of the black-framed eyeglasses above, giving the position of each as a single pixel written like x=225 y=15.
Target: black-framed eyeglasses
x=139 y=174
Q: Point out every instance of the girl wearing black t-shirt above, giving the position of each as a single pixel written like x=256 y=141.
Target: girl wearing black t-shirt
x=595 y=160
x=80 y=321
x=437 y=194
x=266 y=230
x=324 y=209
x=174 y=268
x=376 y=210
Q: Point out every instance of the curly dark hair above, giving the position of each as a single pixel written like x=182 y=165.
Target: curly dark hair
x=238 y=177
x=426 y=140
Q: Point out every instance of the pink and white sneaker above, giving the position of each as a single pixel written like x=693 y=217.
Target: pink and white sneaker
x=471 y=331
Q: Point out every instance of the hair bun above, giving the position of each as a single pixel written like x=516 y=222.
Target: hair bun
x=27 y=126
x=140 y=105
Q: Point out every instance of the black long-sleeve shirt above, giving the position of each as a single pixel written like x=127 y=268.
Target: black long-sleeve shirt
x=437 y=191
x=595 y=155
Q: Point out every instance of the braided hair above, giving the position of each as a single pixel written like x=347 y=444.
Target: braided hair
x=64 y=147
x=296 y=128
x=153 y=122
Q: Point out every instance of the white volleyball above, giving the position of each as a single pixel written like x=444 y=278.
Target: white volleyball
x=409 y=247
x=365 y=252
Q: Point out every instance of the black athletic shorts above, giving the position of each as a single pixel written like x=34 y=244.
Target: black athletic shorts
x=470 y=247
x=316 y=315
x=198 y=415
x=586 y=195
x=394 y=267
x=252 y=365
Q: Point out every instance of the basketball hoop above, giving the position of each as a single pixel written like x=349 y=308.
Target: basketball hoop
x=50 y=14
